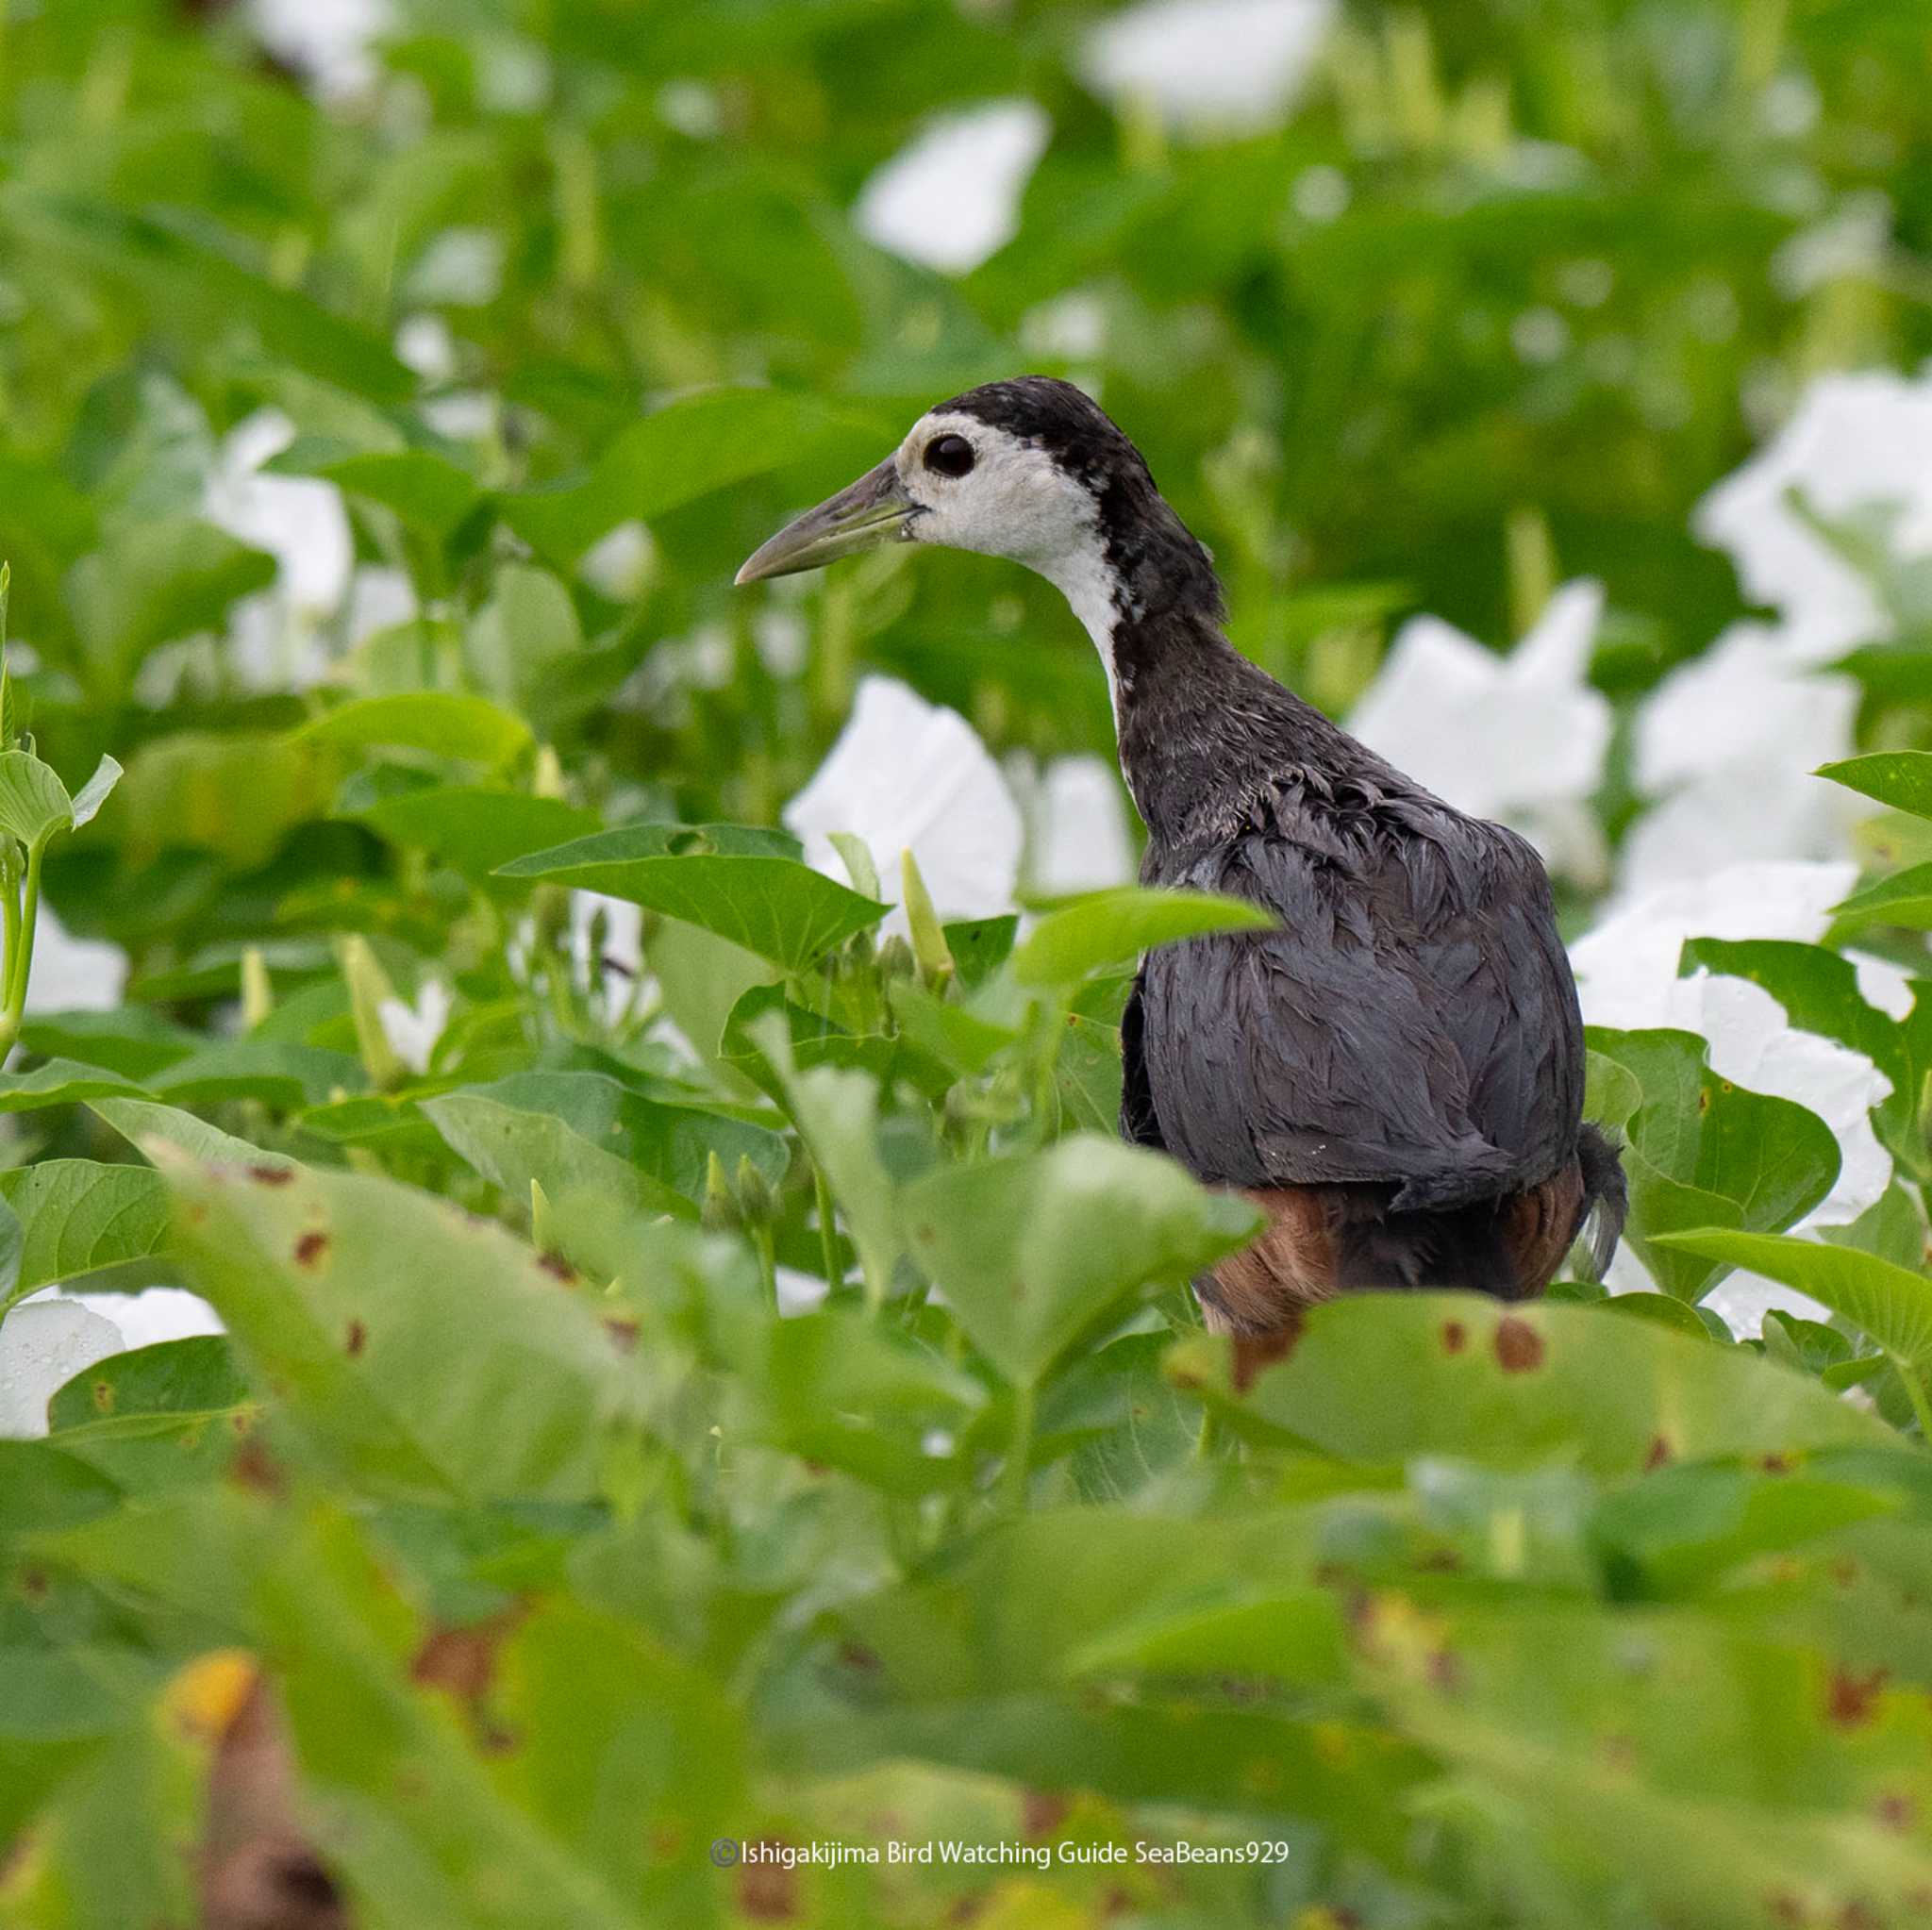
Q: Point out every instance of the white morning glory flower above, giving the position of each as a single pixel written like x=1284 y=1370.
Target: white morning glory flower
x=1208 y=66
x=44 y=1343
x=1856 y=442
x=1726 y=743
x=72 y=974
x=1626 y=975
x=328 y=41
x=1077 y=823
x=299 y=520
x=1520 y=738
x=413 y=1030
x=952 y=197
x=906 y=775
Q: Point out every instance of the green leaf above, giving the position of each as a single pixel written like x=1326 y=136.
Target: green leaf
x=443 y=722
x=817 y=1040
x=980 y=946
x=277 y=1075
x=78 y=1217
x=521 y=636
x=192 y=1376
x=847 y=1393
x=159 y=1417
x=424 y=1352
x=154 y=580
x=237 y=793
x=43 y=1487
x=959 y=1039
x=1384 y=1379
x=773 y=906
x=1703 y=1152
x=179 y=255
x=1902 y=779
x=143 y=1123
x=690 y=447
x=837 y=1115
x=1891 y=1304
x=513 y=1147
x=131 y=1042
x=671 y=1143
x=1903 y=900
x=428 y=491
x=59 y=1082
x=1292 y=1635
x=613 y=1723
x=33 y=801
x=1687 y=1526
x=1030 y=1250
x=1111 y=926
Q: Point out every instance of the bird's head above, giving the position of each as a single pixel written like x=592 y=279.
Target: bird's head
x=1031 y=470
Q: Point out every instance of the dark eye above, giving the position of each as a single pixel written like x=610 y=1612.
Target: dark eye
x=949 y=454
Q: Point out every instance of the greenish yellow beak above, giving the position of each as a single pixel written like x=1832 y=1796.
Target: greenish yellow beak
x=872 y=511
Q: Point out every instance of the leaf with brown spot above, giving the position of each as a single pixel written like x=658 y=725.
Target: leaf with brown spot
x=1370 y=1380
x=488 y=1382
x=1519 y=1346
x=768 y=1893
x=1454 y=1337
x=462 y=1659
x=1042 y=1812
x=1850 y=1699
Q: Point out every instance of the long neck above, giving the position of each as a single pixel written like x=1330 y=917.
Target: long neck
x=1201 y=729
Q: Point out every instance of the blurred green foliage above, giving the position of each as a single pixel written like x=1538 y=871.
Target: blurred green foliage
x=562 y=1553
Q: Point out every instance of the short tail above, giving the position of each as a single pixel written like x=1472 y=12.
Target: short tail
x=1606 y=1196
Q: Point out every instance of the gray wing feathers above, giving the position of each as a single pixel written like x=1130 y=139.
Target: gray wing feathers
x=1413 y=1022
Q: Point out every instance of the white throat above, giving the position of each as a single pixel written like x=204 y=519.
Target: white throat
x=1017 y=502
x=1087 y=580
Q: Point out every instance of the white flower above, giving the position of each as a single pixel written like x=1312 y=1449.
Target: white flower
x=619 y=563
x=380 y=598
x=413 y=1030
x=461 y=268
x=425 y=344
x=298 y=520
x=952 y=197
x=1626 y=975
x=327 y=41
x=144 y=1319
x=73 y=974
x=623 y=945
x=1856 y=442
x=1076 y=827
x=1211 y=66
x=909 y=775
x=1520 y=738
x=1728 y=742
x=44 y=1343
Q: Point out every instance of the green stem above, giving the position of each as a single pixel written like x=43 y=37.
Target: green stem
x=828 y=1232
x=9 y=904
x=1915 y=1392
x=20 y=950
x=766 y=1246
x=1015 y=1475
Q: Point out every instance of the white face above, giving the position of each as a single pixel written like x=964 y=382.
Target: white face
x=1014 y=501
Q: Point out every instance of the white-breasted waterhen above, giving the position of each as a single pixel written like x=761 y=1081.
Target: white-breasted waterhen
x=1395 y=1073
